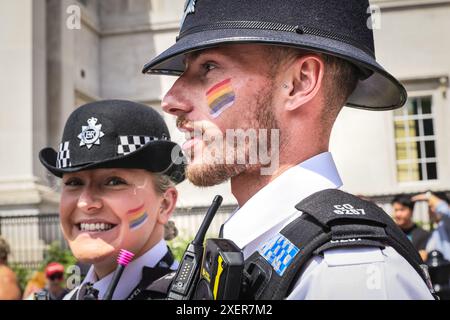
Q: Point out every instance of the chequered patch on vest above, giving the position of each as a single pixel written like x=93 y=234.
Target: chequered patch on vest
x=279 y=253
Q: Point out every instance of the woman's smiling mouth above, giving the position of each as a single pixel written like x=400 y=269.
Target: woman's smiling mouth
x=94 y=226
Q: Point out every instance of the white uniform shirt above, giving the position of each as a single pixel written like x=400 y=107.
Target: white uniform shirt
x=131 y=275
x=342 y=273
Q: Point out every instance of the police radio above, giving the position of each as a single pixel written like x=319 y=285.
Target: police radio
x=215 y=272
x=187 y=276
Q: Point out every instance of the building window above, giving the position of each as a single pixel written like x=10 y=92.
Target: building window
x=415 y=140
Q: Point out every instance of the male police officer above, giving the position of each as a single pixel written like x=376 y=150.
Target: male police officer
x=288 y=65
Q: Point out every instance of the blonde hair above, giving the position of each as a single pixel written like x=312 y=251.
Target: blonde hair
x=162 y=182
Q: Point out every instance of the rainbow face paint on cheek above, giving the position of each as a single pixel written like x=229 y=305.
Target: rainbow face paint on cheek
x=137 y=217
x=220 y=97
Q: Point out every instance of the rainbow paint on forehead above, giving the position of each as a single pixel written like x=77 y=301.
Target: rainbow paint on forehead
x=137 y=217
x=220 y=97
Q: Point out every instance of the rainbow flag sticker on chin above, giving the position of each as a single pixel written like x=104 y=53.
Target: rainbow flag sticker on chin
x=220 y=97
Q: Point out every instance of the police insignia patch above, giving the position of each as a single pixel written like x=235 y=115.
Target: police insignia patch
x=279 y=252
x=91 y=133
x=189 y=7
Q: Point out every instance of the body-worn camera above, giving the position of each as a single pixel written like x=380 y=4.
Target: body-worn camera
x=221 y=271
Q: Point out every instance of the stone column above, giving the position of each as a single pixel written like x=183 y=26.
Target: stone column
x=23 y=121
x=23 y=103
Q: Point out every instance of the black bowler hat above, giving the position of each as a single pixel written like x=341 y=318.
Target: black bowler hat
x=335 y=27
x=115 y=134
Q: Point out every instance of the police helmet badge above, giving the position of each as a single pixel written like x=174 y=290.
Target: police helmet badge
x=91 y=133
x=189 y=7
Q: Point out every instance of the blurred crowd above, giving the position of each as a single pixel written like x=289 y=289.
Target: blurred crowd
x=431 y=241
x=50 y=281
x=426 y=239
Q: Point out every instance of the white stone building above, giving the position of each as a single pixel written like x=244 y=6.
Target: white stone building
x=58 y=54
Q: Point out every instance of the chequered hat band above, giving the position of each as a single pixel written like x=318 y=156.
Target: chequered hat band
x=63 y=157
x=129 y=144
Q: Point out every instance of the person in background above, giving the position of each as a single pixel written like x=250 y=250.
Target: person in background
x=439 y=211
x=170 y=231
x=54 y=273
x=9 y=288
x=403 y=207
x=35 y=284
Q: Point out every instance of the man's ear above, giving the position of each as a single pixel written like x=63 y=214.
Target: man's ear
x=168 y=204
x=303 y=80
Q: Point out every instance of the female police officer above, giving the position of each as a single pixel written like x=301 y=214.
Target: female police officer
x=118 y=175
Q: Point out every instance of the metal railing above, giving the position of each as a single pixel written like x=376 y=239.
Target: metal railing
x=29 y=237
